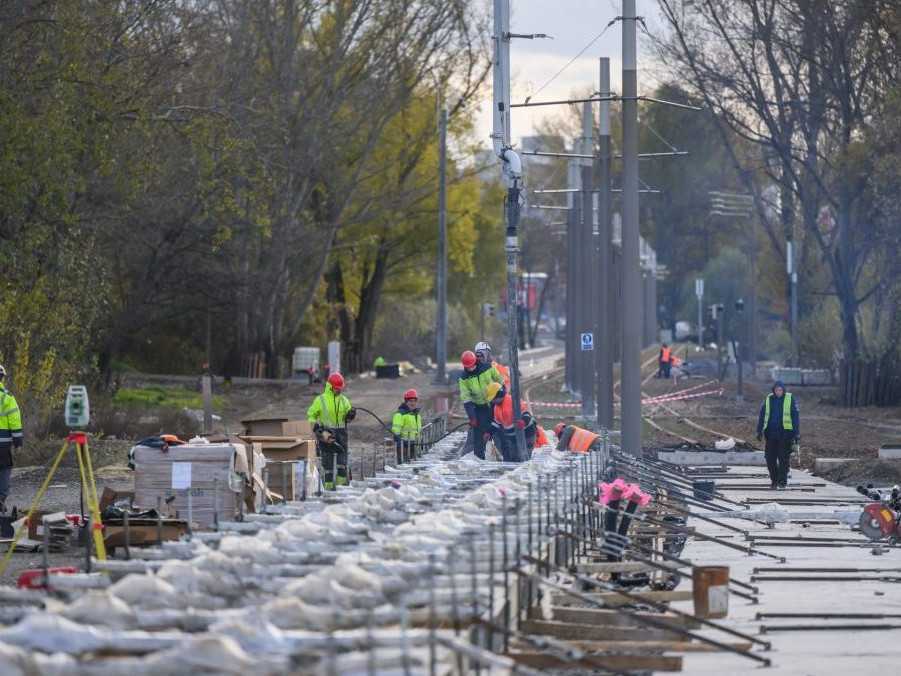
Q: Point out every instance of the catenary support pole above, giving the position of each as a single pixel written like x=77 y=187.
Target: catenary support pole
x=512 y=172
x=441 y=319
x=587 y=267
x=572 y=287
x=632 y=298
x=604 y=325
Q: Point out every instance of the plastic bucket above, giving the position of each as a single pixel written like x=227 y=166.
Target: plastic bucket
x=711 y=591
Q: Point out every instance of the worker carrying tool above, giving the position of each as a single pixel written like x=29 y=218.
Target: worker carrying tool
x=407 y=424
x=778 y=421
x=329 y=414
x=473 y=385
x=502 y=428
x=485 y=356
x=576 y=439
x=664 y=361
x=10 y=436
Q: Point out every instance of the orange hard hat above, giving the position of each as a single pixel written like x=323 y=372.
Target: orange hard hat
x=411 y=394
x=558 y=429
x=468 y=359
x=336 y=380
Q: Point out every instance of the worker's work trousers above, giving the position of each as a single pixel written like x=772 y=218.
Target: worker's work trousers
x=5 y=473
x=778 y=459
x=334 y=454
x=484 y=418
x=506 y=442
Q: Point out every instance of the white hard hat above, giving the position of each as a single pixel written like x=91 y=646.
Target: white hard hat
x=482 y=346
x=2 y=370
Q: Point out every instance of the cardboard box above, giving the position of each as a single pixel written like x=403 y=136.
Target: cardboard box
x=297 y=428
x=283 y=448
x=207 y=471
x=264 y=426
x=281 y=476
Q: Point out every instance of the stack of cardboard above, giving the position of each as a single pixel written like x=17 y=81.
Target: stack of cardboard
x=213 y=474
x=59 y=530
x=289 y=452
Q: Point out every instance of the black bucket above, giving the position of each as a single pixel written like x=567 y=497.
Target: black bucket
x=704 y=489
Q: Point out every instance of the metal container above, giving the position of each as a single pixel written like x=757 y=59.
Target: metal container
x=711 y=591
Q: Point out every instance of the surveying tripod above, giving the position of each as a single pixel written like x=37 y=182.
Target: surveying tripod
x=78 y=440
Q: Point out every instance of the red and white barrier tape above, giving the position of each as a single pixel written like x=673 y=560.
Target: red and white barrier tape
x=650 y=401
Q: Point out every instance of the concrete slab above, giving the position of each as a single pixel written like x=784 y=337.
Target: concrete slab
x=820 y=465
x=751 y=458
x=890 y=452
x=817 y=652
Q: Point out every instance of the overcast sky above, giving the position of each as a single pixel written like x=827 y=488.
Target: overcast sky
x=572 y=23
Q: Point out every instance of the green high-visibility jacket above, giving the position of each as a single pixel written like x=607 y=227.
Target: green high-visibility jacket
x=10 y=427
x=329 y=409
x=473 y=384
x=786 y=412
x=406 y=423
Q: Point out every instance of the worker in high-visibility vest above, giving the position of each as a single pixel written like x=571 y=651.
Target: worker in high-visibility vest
x=503 y=427
x=473 y=383
x=10 y=436
x=576 y=439
x=779 y=422
x=406 y=424
x=484 y=355
x=329 y=414
x=664 y=361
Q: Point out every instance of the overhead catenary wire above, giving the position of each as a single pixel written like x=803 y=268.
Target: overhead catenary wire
x=571 y=61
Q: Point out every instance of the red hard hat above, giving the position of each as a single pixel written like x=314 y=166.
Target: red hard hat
x=468 y=359
x=411 y=394
x=558 y=429
x=336 y=380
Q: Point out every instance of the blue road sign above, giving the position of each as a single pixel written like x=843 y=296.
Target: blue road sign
x=587 y=341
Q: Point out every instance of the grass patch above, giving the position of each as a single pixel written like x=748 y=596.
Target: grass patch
x=162 y=397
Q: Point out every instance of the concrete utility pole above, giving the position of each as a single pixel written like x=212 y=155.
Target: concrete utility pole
x=604 y=327
x=572 y=283
x=793 y=281
x=631 y=310
x=699 y=294
x=512 y=172
x=441 y=328
x=587 y=268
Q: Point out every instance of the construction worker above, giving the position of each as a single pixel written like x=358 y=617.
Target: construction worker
x=406 y=423
x=664 y=361
x=10 y=436
x=484 y=356
x=329 y=414
x=576 y=439
x=778 y=421
x=473 y=383
x=503 y=429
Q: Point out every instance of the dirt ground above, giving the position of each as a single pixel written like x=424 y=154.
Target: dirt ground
x=110 y=456
x=827 y=430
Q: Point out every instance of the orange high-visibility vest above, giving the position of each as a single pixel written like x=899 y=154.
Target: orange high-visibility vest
x=503 y=412
x=504 y=371
x=665 y=354
x=581 y=440
x=540 y=437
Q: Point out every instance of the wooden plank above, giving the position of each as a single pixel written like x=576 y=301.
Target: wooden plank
x=664 y=646
x=596 y=632
x=607 y=662
x=614 y=599
x=615 y=567
x=617 y=619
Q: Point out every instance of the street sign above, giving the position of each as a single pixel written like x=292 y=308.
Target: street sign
x=699 y=288
x=587 y=342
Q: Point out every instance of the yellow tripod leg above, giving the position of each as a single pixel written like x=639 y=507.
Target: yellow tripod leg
x=34 y=505
x=90 y=491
